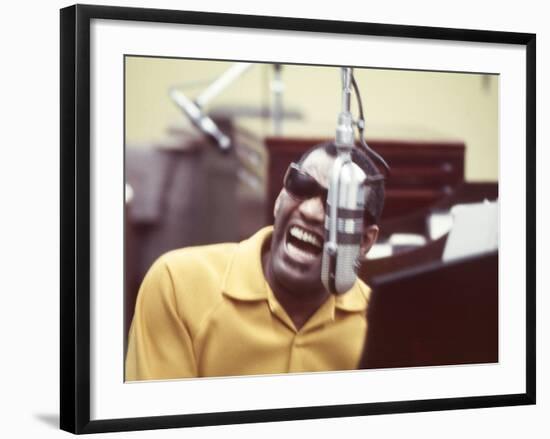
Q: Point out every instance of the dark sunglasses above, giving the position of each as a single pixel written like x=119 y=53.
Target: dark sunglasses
x=303 y=186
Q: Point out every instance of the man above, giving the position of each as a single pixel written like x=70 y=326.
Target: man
x=259 y=306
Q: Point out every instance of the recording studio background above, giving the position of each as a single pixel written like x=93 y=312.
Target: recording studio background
x=437 y=130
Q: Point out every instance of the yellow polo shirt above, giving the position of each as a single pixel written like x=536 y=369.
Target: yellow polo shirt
x=208 y=311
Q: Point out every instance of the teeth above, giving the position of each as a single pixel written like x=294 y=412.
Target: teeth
x=302 y=235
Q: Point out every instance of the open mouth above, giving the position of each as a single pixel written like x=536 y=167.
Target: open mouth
x=303 y=242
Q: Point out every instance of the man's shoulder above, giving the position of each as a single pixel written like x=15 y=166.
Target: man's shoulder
x=212 y=259
x=194 y=257
x=196 y=276
x=364 y=289
x=199 y=266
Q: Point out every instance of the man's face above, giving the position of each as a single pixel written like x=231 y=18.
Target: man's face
x=297 y=242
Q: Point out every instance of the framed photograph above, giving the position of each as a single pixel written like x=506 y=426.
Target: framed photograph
x=218 y=174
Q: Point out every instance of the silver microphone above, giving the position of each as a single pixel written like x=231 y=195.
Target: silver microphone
x=345 y=205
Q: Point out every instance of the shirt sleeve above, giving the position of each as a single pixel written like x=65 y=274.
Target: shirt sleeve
x=159 y=344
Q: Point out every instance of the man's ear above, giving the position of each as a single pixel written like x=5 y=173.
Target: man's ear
x=370 y=234
x=277 y=204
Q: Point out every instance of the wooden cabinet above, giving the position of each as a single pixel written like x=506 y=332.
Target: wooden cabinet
x=422 y=173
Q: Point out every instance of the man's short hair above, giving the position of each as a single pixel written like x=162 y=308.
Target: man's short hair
x=374 y=204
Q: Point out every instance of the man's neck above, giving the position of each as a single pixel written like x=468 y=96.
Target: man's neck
x=299 y=307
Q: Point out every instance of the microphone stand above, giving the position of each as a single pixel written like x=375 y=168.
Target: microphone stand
x=344 y=144
x=345 y=202
x=344 y=130
x=194 y=108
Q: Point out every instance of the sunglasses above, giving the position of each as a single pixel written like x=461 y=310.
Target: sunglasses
x=303 y=186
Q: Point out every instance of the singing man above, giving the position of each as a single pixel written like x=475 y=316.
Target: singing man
x=258 y=306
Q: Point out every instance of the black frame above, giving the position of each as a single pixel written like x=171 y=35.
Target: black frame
x=75 y=217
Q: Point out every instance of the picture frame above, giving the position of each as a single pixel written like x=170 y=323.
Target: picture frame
x=78 y=392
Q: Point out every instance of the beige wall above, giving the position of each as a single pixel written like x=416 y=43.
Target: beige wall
x=398 y=104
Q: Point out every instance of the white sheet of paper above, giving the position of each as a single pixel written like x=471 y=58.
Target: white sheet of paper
x=475 y=230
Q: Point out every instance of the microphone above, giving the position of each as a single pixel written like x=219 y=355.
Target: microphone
x=345 y=205
x=200 y=120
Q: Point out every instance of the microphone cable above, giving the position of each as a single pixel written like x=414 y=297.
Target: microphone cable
x=361 y=128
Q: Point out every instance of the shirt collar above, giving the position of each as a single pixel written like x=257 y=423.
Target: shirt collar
x=244 y=278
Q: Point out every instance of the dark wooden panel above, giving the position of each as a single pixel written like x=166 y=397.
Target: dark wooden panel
x=444 y=313
x=428 y=253
x=422 y=172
